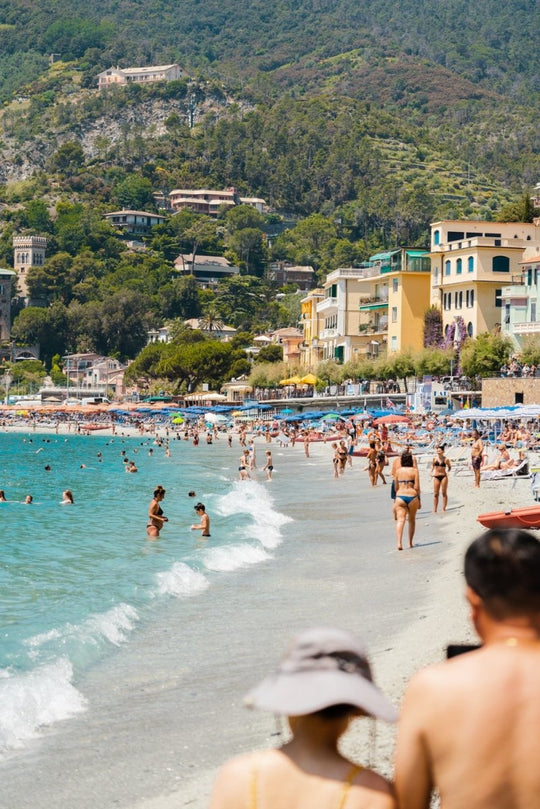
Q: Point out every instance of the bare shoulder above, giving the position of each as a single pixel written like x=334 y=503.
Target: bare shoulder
x=381 y=791
x=231 y=786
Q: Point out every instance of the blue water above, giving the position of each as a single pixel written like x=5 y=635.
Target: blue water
x=76 y=581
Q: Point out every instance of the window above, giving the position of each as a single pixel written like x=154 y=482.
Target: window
x=506 y=314
x=459 y=266
x=470 y=329
x=472 y=297
x=394 y=314
x=498 y=298
x=436 y=275
x=533 y=312
x=436 y=237
x=394 y=343
x=470 y=264
x=500 y=264
x=456 y=300
x=447 y=267
x=395 y=284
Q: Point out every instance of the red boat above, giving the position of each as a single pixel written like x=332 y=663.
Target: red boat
x=513 y=518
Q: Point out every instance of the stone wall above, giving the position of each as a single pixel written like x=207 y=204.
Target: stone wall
x=507 y=391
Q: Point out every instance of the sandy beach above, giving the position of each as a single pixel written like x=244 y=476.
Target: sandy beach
x=155 y=742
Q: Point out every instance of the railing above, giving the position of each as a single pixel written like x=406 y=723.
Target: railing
x=526 y=328
x=326 y=334
x=327 y=303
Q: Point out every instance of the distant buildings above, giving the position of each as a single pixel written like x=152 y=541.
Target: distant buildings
x=311 y=349
x=283 y=273
x=210 y=201
x=6 y=279
x=28 y=251
x=290 y=339
x=207 y=270
x=520 y=300
x=120 y=76
x=134 y=223
x=472 y=263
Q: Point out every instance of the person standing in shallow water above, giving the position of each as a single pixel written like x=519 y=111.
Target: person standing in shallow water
x=156 y=517
x=323 y=683
x=407 y=498
x=204 y=525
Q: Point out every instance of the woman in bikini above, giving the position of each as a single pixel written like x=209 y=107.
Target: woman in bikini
x=407 y=498
x=372 y=463
x=156 y=517
x=322 y=684
x=439 y=471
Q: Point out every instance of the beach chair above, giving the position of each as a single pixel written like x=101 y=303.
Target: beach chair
x=519 y=471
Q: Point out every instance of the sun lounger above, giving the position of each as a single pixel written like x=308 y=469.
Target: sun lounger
x=521 y=470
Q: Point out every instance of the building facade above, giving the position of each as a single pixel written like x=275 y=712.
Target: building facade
x=207 y=270
x=28 y=251
x=6 y=280
x=471 y=263
x=311 y=350
x=211 y=201
x=120 y=76
x=520 y=302
x=134 y=222
x=283 y=273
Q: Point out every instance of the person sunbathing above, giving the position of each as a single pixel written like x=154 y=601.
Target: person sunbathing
x=504 y=461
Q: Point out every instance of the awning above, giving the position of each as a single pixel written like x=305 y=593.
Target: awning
x=369 y=307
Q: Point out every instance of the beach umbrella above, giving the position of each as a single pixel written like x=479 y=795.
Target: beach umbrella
x=214 y=418
x=287 y=410
x=294 y=380
x=309 y=379
x=178 y=420
x=393 y=419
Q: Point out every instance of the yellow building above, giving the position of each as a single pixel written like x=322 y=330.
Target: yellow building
x=311 y=324
x=376 y=308
x=471 y=263
x=395 y=295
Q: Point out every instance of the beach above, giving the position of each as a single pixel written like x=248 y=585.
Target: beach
x=166 y=709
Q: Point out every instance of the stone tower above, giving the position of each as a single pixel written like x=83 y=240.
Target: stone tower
x=28 y=251
x=6 y=277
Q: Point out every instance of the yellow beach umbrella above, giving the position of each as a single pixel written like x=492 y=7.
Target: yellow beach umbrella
x=294 y=380
x=309 y=379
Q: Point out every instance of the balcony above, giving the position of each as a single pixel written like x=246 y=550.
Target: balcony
x=527 y=328
x=327 y=303
x=328 y=334
x=375 y=302
x=479 y=241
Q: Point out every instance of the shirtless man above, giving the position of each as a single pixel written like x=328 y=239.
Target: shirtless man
x=469 y=726
x=204 y=525
x=477 y=452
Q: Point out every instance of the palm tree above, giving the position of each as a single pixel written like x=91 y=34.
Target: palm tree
x=211 y=321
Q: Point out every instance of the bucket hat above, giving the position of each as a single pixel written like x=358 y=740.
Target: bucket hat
x=322 y=667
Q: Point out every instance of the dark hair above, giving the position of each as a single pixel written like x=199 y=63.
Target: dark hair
x=503 y=567
x=406 y=459
x=192 y=494
x=200 y=507
x=159 y=490
x=339 y=711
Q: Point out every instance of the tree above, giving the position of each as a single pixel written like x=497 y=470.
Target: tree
x=209 y=361
x=522 y=210
x=433 y=361
x=485 y=355
x=530 y=353
x=52 y=281
x=68 y=158
x=241 y=217
x=210 y=320
x=270 y=353
x=248 y=247
x=47 y=327
x=135 y=193
x=180 y=298
x=199 y=234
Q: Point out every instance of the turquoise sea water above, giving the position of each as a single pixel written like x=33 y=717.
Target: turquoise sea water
x=77 y=581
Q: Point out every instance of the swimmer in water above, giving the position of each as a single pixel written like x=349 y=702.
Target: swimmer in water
x=2 y=496
x=28 y=499
x=204 y=525
x=156 y=517
x=67 y=498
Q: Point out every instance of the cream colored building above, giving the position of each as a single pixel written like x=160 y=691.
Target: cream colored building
x=28 y=251
x=6 y=279
x=210 y=201
x=120 y=76
x=339 y=311
x=312 y=323
x=471 y=263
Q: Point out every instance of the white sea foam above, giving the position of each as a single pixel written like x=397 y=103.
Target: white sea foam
x=181 y=580
x=113 y=625
x=250 y=497
x=33 y=700
x=233 y=557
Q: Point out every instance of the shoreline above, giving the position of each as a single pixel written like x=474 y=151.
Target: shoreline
x=352 y=590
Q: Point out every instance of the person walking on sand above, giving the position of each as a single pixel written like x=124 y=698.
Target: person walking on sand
x=306 y=443
x=204 y=524
x=407 y=498
x=322 y=684
x=269 y=465
x=440 y=467
x=156 y=517
x=469 y=726
x=477 y=455
x=372 y=463
x=381 y=462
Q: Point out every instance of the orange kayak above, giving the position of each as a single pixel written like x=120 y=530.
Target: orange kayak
x=513 y=518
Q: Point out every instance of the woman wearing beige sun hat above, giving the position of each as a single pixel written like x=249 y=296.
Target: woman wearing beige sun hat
x=322 y=683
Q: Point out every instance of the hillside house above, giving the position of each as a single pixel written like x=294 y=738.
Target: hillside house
x=120 y=76
x=209 y=201
x=208 y=270
x=134 y=222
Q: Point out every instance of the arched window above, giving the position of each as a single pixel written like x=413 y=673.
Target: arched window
x=470 y=329
x=470 y=264
x=446 y=330
x=436 y=237
x=500 y=264
x=472 y=297
x=447 y=267
x=459 y=266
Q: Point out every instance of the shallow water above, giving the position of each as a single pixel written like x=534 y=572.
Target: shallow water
x=77 y=580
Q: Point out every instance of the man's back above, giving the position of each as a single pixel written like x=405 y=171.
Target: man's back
x=472 y=727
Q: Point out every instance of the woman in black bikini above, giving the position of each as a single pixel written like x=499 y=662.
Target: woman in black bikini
x=407 y=498
x=155 y=514
x=439 y=472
